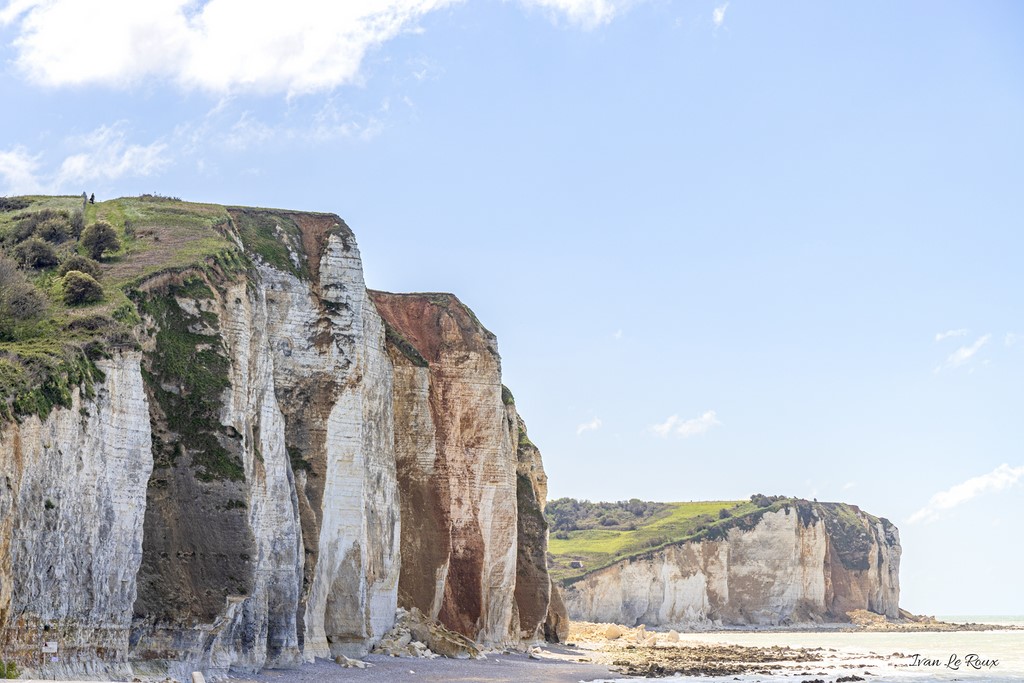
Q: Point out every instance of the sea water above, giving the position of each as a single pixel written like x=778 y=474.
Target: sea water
x=889 y=657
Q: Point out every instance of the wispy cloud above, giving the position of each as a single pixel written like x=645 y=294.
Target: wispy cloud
x=19 y=170
x=718 y=15
x=102 y=154
x=617 y=334
x=677 y=426
x=939 y=336
x=1000 y=478
x=849 y=485
x=107 y=155
x=964 y=353
x=1013 y=338
x=591 y=426
x=587 y=14
x=227 y=46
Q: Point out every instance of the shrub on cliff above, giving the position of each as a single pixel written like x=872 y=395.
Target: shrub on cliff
x=81 y=288
x=13 y=203
x=19 y=300
x=55 y=230
x=99 y=238
x=82 y=264
x=9 y=670
x=763 y=501
x=50 y=224
x=35 y=253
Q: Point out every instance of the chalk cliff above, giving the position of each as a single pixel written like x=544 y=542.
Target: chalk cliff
x=807 y=562
x=265 y=468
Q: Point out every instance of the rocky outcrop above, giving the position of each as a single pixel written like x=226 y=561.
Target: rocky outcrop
x=247 y=482
x=533 y=584
x=471 y=485
x=804 y=563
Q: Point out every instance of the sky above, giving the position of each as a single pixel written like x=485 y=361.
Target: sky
x=726 y=247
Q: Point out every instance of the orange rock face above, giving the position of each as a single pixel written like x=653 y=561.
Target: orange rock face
x=471 y=485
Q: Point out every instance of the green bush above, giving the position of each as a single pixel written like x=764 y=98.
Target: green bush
x=19 y=300
x=77 y=223
x=8 y=669
x=82 y=264
x=55 y=230
x=13 y=203
x=35 y=253
x=81 y=288
x=29 y=224
x=99 y=238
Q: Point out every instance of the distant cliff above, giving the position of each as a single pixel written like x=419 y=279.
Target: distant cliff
x=239 y=458
x=794 y=562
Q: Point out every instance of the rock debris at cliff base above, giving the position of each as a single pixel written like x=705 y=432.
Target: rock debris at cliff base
x=639 y=652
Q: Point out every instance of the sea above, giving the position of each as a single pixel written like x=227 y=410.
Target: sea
x=893 y=657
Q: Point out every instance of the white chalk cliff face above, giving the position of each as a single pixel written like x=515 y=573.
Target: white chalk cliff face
x=795 y=566
x=72 y=501
x=231 y=497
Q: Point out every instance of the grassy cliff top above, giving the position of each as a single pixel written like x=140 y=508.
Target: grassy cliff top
x=55 y=324
x=594 y=536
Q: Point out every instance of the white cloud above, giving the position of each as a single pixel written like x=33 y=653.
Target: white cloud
x=19 y=170
x=107 y=155
x=998 y=479
x=687 y=428
x=718 y=15
x=585 y=13
x=1012 y=338
x=617 y=334
x=593 y=425
x=103 y=154
x=218 y=46
x=225 y=46
x=939 y=336
x=849 y=485
x=965 y=353
x=246 y=132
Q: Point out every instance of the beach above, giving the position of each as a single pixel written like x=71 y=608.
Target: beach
x=827 y=655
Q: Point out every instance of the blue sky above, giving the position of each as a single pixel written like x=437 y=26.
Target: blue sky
x=727 y=248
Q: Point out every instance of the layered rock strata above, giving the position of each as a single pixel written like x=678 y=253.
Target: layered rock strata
x=811 y=562
x=239 y=490
x=472 y=486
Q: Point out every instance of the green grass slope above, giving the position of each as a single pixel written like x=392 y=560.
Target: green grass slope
x=590 y=549
x=48 y=346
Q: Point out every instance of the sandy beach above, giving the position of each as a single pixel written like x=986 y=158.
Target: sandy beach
x=557 y=665
x=753 y=655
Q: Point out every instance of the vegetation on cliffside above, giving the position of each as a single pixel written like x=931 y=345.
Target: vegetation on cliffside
x=589 y=536
x=70 y=279
x=583 y=541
